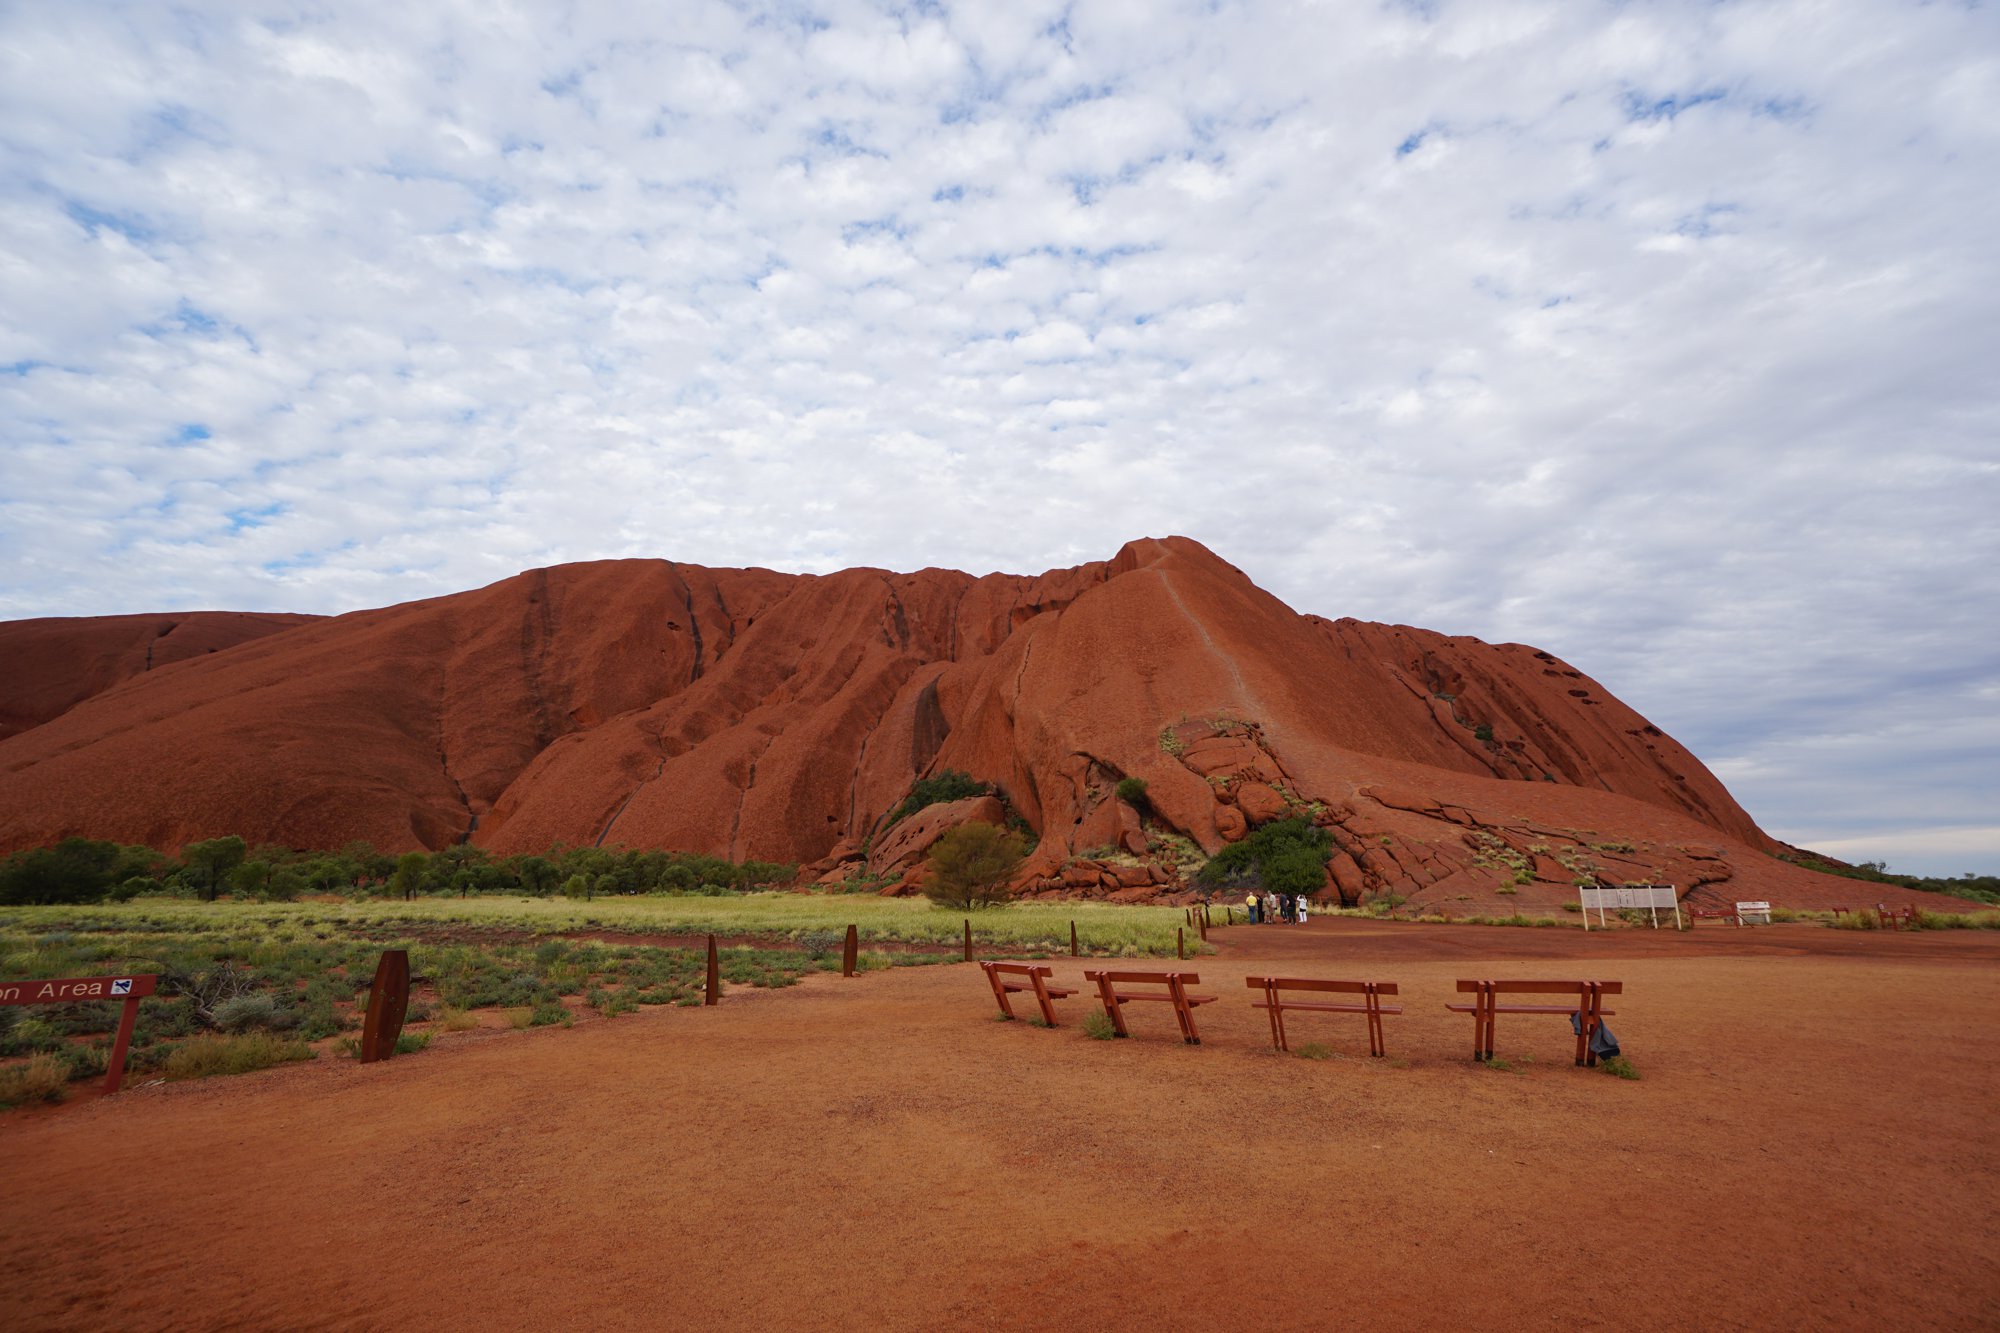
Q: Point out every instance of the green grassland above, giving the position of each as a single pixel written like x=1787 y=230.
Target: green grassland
x=248 y=984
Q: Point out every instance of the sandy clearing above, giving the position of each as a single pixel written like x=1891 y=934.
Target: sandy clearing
x=1812 y=1146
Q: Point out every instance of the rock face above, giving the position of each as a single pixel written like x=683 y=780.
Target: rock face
x=748 y=713
x=48 y=667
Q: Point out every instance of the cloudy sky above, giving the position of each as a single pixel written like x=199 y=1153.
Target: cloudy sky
x=1660 y=335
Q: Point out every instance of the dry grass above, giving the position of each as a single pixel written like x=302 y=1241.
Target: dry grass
x=40 y=1078
x=206 y=1056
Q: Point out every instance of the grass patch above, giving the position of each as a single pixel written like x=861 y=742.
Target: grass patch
x=1498 y=1065
x=1103 y=929
x=457 y=1020
x=1097 y=1026
x=1312 y=1050
x=204 y=1057
x=1618 y=1067
x=409 y=1043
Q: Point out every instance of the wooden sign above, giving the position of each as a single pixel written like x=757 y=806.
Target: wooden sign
x=82 y=990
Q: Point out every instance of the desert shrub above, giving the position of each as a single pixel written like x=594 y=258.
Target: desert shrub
x=409 y=1043
x=1482 y=732
x=970 y=866
x=40 y=1079
x=1097 y=1026
x=948 y=785
x=546 y=1012
x=256 y=1010
x=457 y=1020
x=1618 y=1067
x=1132 y=791
x=205 y=1056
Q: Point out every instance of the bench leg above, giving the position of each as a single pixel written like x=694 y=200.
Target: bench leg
x=1375 y=1046
x=1000 y=994
x=1185 y=1013
x=1112 y=1009
x=1042 y=997
x=1277 y=1017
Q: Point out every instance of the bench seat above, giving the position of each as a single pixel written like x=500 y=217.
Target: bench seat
x=1171 y=988
x=1025 y=979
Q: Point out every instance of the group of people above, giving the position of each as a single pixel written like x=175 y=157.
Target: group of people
x=1276 y=907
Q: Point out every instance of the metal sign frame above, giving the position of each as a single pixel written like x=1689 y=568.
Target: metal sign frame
x=1646 y=897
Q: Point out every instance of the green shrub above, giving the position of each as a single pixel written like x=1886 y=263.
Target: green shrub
x=948 y=785
x=1132 y=791
x=1097 y=1025
x=409 y=1043
x=1618 y=1067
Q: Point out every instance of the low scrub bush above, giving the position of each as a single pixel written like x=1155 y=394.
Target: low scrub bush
x=41 y=1078
x=1618 y=1067
x=1097 y=1026
x=205 y=1056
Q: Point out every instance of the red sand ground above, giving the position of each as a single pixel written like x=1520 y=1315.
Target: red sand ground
x=1811 y=1146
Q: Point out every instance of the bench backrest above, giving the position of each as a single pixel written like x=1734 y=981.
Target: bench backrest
x=1019 y=969
x=1314 y=983
x=1544 y=987
x=1147 y=978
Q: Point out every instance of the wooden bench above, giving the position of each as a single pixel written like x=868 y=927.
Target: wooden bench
x=1112 y=988
x=1587 y=1003
x=1276 y=1003
x=1020 y=978
x=1744 y=911
x=1895 y=918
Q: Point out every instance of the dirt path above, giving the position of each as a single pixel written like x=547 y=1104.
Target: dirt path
x=1812 y=1145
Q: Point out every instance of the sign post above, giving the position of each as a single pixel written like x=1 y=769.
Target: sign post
x=82 y=990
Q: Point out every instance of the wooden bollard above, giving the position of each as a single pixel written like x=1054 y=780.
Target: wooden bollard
x=1201 y=924
x=388 y=1002
x=1180 y=940
x=847 y=954
x=1072 y=939
x=713 y=994
x=968 y=939
x=1229 y=916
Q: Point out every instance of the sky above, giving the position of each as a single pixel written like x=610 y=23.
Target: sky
x=1663 y=336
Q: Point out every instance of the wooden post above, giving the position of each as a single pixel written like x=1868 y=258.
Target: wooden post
x=713 y=995
x=388 y=1002
x=1229 y=916
x=1180 y=940
x=847 y=954
x=1072 y=939
x=114 y=1073
x=968 y=939
x=1201 y=924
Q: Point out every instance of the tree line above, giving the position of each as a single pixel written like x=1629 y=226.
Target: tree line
x=88 y=870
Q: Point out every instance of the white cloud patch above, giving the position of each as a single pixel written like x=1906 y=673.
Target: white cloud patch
x=1658 y=336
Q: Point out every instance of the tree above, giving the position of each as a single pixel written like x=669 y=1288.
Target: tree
x=409 y=876
x=970 y=866
x=212 y=860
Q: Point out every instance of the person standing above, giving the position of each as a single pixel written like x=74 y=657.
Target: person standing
x=1250 y=912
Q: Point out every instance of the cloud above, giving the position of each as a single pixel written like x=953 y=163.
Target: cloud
x=1656 y=336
